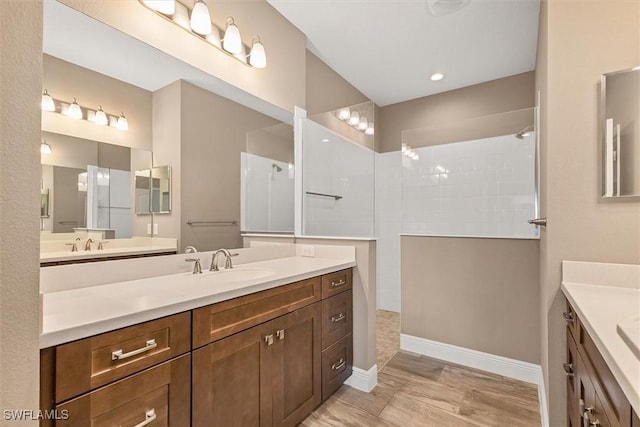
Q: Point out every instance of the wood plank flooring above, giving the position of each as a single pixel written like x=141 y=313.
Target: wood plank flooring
x=415 y=390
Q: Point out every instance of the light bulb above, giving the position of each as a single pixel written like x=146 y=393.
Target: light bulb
x=122 y=122
x=257 y=57
x=344 y=114
x=101 y=117
x=364 y=124
x=200 y=18
x=45 y=148
x=370 y=130
x=47 y=103
x=232 y=42
x=168 y=7
x=354 y=119
x=74 y=111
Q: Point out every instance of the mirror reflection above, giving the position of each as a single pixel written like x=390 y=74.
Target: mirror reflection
x=620 y=124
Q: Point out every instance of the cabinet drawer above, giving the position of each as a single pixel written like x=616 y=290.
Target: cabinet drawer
x=571 y=319
x=160 y=393
x=614 y=403
x=222 y=319
x=337 y=318
x=337 y=362
x=92 y=362
x=337 y=282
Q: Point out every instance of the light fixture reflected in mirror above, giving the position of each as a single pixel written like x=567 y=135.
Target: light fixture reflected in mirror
x=168 y=7
x=344 y=114
x=74 y=111
x=257 y=56
x=200 y=18
x=47 y=103
x=369 y=130
x=232 y=42
x=363 y=124
x=354 y=120
x=45 y=148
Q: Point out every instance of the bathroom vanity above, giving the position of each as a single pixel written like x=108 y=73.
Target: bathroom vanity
x=265 y=351
x=601 y=367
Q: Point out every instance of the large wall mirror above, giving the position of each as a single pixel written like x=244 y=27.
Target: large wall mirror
x=620 y=125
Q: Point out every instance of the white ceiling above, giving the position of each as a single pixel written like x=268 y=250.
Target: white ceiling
x=388 y=49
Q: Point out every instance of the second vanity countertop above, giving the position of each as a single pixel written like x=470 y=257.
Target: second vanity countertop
x=601 y=308
x=79 y=313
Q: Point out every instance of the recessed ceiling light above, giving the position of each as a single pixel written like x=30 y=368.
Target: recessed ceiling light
x=325 y=140
x=437 y=76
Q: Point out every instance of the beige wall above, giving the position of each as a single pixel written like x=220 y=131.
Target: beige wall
x=581 y=226
x=475 y=293
x=274 y=142
x=281 y=83
x=494 y=97
x=64 y=81
x=20 y=91
x=213 y=134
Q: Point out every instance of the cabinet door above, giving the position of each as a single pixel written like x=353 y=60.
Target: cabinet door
x=296 y=365
x=571 y=369
x=231 y=381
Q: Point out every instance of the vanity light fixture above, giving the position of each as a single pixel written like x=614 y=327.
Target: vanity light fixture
x=409 y=152
x=355 y=119
x=232 y=42
x=199 y=24
x=100 y=117
x=200 y=18
x=344 y=114
x=122 y=122
x=45 y=148
x=437 y=76
x=47 y=103
x=168 y=7
x=74 y=111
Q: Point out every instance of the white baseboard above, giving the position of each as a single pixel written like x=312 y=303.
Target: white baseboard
x=363 y=380
x=517 y=369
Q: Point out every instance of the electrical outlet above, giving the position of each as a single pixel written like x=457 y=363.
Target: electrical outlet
x=148 y=229
x=308 y=250
x=155 y=229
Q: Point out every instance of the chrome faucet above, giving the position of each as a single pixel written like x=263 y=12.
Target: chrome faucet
x=197 y=268
x=214 y=260
x=87 y=246
x=190 y=250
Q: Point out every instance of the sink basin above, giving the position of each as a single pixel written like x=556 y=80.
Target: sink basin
x=629 y=331
x=233 y=275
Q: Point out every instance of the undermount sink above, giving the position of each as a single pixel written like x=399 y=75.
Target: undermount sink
x=629 y=331
x=235 y=274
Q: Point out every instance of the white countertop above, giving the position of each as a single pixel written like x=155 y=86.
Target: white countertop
x=103 y=253
x=79 y=313
x=601 y=308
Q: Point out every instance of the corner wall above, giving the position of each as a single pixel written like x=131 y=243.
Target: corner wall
x=581 y=226
x=20 y=92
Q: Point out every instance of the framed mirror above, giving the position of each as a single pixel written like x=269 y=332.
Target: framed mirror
x=620 y=130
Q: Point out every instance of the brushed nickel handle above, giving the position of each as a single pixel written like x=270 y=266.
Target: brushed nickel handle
x=101 y=243
x=340 y=317
x=335 y=284
x=588 y=418
x=339 y=364
x=280 y=334
x=568 y=316
x=149 y=417
x=119 y=355
x=74 y=247
x=269 y=339
x=540 y=222
x=568 y=369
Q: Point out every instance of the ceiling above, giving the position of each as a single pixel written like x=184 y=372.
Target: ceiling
x=388 y=49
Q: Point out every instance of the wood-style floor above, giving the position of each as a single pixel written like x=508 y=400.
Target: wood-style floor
x=415 y=390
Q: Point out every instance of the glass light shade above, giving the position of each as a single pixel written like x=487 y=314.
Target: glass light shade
x=45 y=148
x=200 y=18
x=344 y=114
x=232 y=42
x=122 y=123
x=370 y=130
x=47 y=103
x=257 y=57
x=101 y=117
x=74 y=111
x=354 y=119
x=168 y=7
x=364 y=124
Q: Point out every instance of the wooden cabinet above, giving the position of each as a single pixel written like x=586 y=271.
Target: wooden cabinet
x=594 y=398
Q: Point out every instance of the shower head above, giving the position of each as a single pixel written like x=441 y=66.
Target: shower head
x=524 y=132
x=276 y=167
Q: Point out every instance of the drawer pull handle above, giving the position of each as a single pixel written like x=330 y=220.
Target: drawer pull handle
x=339 y=364
x=280 y=334
x=335 y=284
x=588 y=419
x=568 y=369
x=119 y=355
x=339 y=318
x=149 y=417
x=268 y=339
x=568 y=316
